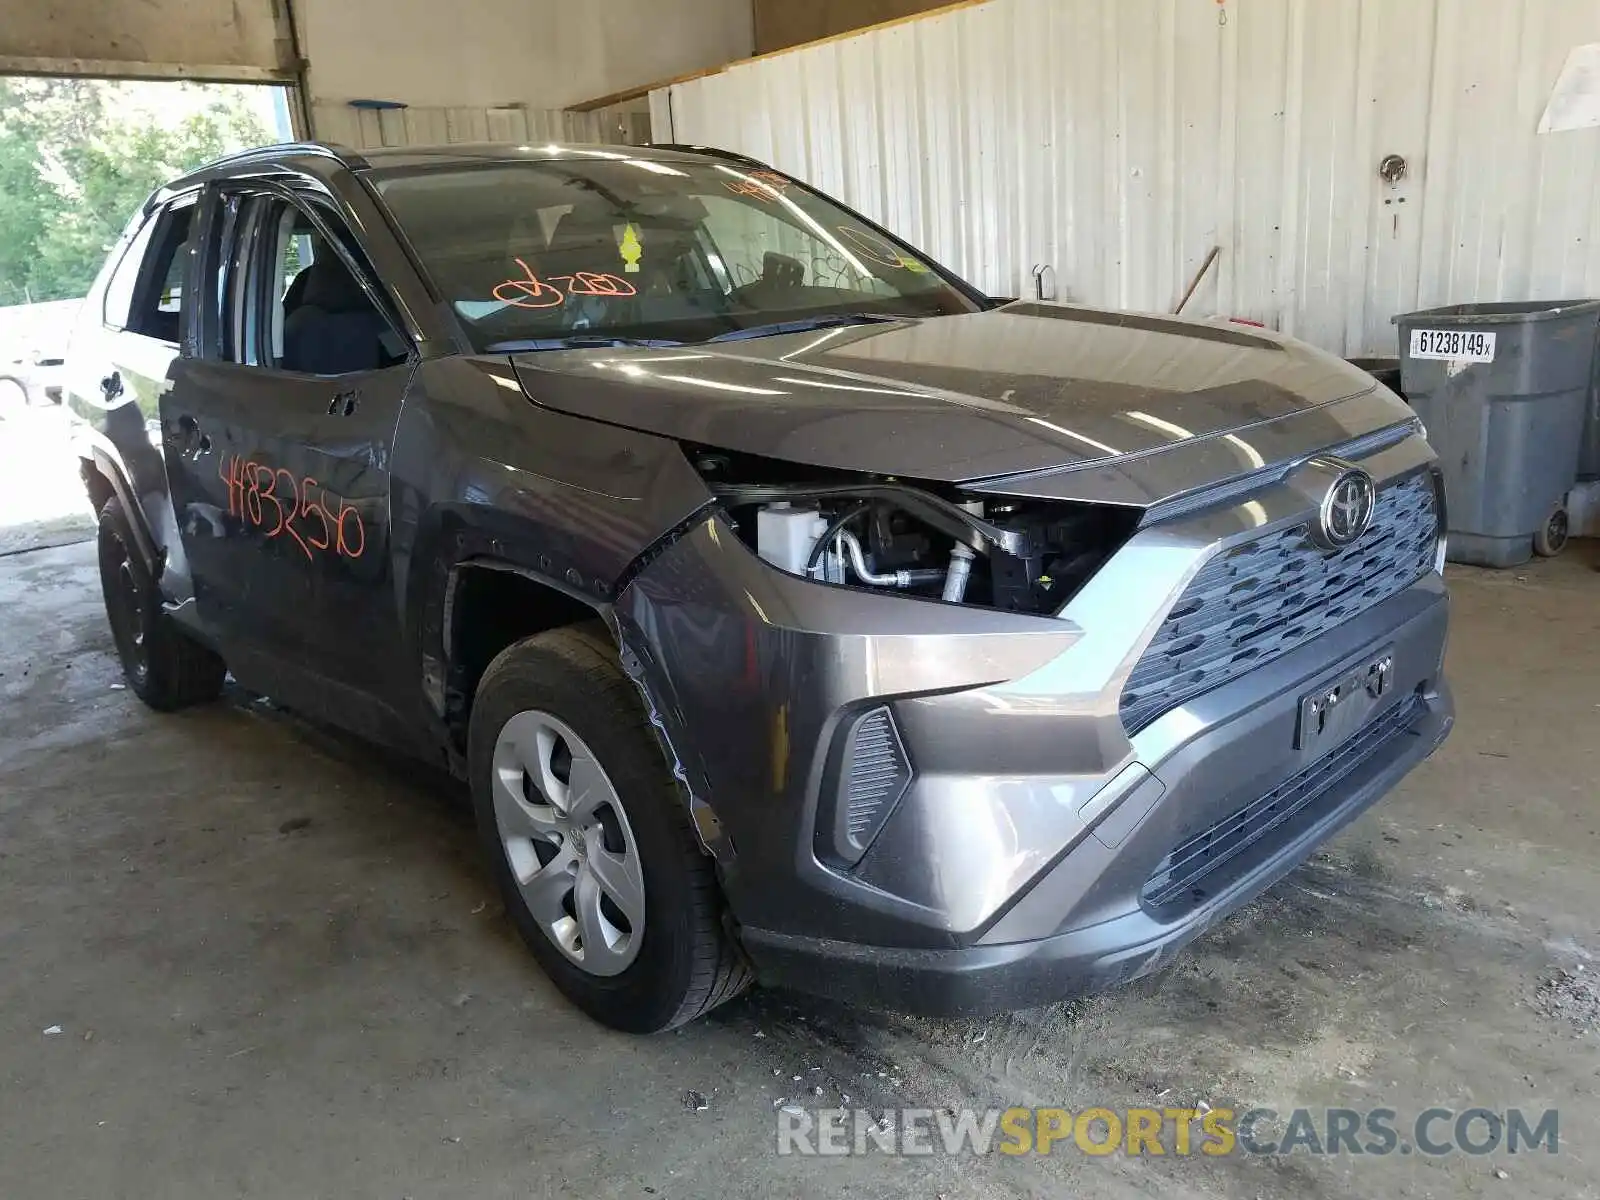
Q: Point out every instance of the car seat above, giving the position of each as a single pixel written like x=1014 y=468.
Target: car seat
x=335 y=329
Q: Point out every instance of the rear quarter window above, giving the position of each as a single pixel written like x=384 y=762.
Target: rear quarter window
x=146 y=291
x=124 y=277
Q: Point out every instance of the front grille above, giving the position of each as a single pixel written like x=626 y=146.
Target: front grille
x=1271 y=820
x=1262 y=599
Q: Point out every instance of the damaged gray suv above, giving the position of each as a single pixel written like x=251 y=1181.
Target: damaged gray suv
x=796 y=612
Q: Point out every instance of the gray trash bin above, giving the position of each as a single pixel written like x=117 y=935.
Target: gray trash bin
x=1589 y=459
x=1503 y=390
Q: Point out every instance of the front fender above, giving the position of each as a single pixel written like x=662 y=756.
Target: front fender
x=481 y=473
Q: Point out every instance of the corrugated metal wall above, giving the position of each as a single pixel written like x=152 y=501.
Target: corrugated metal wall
x=417 y=126
x=1119 y=140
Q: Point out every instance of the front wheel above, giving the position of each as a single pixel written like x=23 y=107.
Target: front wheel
x=589 y=840
x=164 y=666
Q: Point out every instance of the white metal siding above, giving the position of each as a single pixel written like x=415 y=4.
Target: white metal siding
x=539 y=54
x=368 y=127
x=1119 y=140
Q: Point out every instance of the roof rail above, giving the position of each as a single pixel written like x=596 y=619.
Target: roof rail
x=343 y=154
x=710 y=152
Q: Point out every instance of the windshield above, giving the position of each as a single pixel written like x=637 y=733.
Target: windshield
x=610 y=246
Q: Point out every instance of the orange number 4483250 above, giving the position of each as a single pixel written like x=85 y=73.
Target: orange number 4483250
x=282 y=504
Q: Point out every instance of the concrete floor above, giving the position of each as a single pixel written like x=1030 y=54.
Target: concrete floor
x=41 y=496
x=278 y=970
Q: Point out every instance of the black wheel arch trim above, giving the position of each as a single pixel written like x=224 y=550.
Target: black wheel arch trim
x=102 y=456
x=437 y=650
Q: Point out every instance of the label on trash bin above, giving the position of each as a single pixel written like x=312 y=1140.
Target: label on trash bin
x=1462 y=345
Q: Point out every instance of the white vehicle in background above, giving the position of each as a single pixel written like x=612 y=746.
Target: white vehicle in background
x=34 y=379
x=33 y=347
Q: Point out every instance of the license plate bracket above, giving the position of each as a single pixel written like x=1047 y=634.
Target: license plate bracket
x=1332 y=712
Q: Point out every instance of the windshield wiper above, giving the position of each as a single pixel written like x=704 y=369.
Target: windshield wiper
x=582 y=341
x=808 y=323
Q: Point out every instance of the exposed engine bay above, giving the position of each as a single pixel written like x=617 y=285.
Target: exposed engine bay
x=926 y=540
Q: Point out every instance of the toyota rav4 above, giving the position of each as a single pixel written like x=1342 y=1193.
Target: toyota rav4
x=795 y=611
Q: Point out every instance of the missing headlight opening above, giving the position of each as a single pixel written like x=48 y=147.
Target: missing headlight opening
x=927 y=540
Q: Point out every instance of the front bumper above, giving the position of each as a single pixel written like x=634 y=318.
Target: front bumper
x=982 y=979
x=1087 y=922
x=1019 y=864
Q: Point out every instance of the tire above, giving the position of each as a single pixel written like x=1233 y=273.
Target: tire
x=1552 y=537
x=164 y=666
x=565 y=688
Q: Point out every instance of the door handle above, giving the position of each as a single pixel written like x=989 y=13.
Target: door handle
x=111 y=385
x=344 y=403
x=185 y=436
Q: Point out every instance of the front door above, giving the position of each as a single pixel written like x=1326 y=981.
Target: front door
x=282 y=487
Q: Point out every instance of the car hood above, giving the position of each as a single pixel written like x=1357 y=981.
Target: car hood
x=1022 y=388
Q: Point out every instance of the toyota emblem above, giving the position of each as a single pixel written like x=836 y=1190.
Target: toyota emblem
x=1346 y=509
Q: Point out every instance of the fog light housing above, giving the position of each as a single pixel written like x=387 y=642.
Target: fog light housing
x=873 y=772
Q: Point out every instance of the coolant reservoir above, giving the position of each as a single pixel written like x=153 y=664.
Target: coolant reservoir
x=785 y=535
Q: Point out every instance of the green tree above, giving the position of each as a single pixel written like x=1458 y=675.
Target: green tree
x=74 y=166
x=28 y=208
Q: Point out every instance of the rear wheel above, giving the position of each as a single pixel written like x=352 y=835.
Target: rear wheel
x=164 y=666
x=589 y=841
